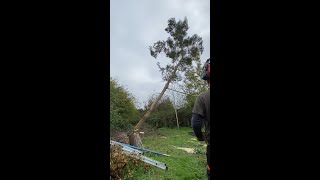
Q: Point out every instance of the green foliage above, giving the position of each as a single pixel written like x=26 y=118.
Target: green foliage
x=185 y=115
x=163 y=115
x=179 y=47
x=123 y=112
x=192 y=86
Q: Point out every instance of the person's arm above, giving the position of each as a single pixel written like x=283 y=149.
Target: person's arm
x=198 y=117
x=197 y=122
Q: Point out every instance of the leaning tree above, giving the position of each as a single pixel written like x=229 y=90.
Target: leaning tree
x=182 y=50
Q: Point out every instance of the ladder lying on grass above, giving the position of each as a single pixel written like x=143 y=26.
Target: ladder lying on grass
x=138 y=148
x=138 y=155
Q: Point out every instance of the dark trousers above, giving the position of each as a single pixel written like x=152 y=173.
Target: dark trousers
x=208 y=161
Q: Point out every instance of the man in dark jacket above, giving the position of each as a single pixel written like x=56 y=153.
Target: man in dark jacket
x=201 y=114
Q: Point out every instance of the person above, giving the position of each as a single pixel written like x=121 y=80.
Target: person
x=201 y=114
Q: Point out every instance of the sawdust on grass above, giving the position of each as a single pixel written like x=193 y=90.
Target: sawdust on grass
x=188 y=150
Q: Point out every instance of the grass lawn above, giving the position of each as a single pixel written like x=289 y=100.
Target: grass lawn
x=187 y=155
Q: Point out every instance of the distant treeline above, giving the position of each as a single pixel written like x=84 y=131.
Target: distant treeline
x=124 y=114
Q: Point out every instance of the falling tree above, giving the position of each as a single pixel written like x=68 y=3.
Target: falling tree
x=182 y=50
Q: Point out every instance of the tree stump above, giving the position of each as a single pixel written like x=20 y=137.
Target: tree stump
x=135 y=140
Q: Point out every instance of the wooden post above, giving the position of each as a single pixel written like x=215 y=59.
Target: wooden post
x=175 y=109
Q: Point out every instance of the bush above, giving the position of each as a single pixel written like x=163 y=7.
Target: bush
x=163 y=115
x=122 y=109
x=122 y=166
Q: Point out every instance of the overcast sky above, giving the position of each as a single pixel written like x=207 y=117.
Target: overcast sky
x=138 y=24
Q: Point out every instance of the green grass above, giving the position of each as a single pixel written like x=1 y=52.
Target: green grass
x=181 y=164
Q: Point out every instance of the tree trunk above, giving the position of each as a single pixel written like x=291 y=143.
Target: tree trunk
x=175 y=109
x=134 y=139
x=135 y=135
x=188 y=123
